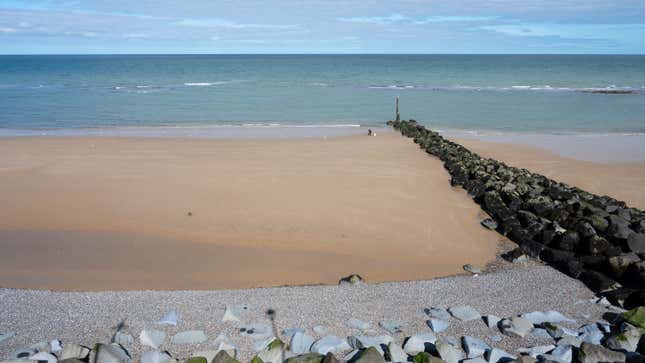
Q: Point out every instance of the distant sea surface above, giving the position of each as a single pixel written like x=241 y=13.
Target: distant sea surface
x=517 y=93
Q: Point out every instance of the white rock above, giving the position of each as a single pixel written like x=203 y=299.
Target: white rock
x=258 y=345
x=551 y=316
x=396 y=353
x=234 y=313
x=328 y=344
x=448 y=353
x=171 y=318
x=474 y=347
x=417 y=343
x=438 y=313
x=155 y=356
x=208 y=354
x=123 y=338
x=189 y=337
x=534 y=352
x=569 y=340
x=516 y=327
x=438 y=325
x=591 y=334
x=289 y=333
x=561 y=354
x=301 y=343
x=492 y=320
x=111 y=353
x=44 y=356
x=74 y=351
x=464 y=312
x=319 y=329
x=259 y=331
x=223 y=343
x=497 y=355
x=541 y=333
x=474 y=360
x=392 y=327
x=557 y=331
x=152 y=338
x=357 y=324
x=55 y=346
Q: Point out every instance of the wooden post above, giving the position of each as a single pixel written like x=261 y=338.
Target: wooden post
x=398 y=116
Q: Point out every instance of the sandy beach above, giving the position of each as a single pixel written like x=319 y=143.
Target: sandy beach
x=143 y=213
x=620 y=180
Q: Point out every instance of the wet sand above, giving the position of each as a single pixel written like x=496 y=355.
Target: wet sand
x=108 y=213
x=620 y=180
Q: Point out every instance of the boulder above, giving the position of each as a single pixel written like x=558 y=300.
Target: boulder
x=350 y=280
x=619 y=264
x=627 y=340
x=561 y=354
x=357 y=324
x=306 y=358
x=438 y=313
x=369 y=355
x=591 y=353
x=464 y=313
x=152 y=338
x=424 y=357
x=534 y=352
x=516 y=326
x=44 y=357
x=273 y=352
x=223 y=357
x=438 y=325
x=590 y=333
x=301 y=343
x=636 y=317
x=474 y=347
x=489 y=223
x=330 y=358
x=499 y=356
x=418 y=343
x=597 y=281
x=448 y=353
x=123 y=338
x=331 y=344
x=111 y=353
x=170 y=318
x=234 y=313
x=636 y=242
x=395 y=353
x=618 y=228
x=635 y=299
x=392 y=327
x=155 y=356
x=491 y=321
x=74 y=351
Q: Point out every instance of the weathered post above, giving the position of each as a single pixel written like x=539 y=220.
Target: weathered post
x=398 y=116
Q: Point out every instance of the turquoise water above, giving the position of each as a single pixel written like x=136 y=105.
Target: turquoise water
x=472 y=92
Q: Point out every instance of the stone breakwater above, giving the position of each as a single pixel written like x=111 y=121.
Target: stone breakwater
x=596 y=239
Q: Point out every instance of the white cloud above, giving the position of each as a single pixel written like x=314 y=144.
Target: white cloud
x=223 y=23
x=135 y=35
x=399 y=18
x=6 y=30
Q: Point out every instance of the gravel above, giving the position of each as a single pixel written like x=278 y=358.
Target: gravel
x=90 y=317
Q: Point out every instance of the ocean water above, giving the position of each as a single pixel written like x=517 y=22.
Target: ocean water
x=518 y=93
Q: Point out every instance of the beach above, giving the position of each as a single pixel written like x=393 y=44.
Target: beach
x=92 y=213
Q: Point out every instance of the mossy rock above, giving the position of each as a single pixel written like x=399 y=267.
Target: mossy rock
x=425 y=357
x=275 y=344
x=223 y=357
x=369 y=355
x=306 y=358
x=636 y=317
x=257 y=359
x=196 y=360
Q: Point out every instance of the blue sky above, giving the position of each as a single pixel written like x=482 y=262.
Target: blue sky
x=322 y=26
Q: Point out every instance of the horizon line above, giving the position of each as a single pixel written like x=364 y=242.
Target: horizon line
x=161 y=53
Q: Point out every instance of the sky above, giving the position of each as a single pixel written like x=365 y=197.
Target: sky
x=322 y=26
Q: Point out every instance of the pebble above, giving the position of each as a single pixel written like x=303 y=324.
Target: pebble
x=473 y=269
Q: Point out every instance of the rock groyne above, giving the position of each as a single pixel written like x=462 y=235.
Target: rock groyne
x=596 y=239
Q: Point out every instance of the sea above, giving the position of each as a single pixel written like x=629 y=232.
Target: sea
x=196 y=94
